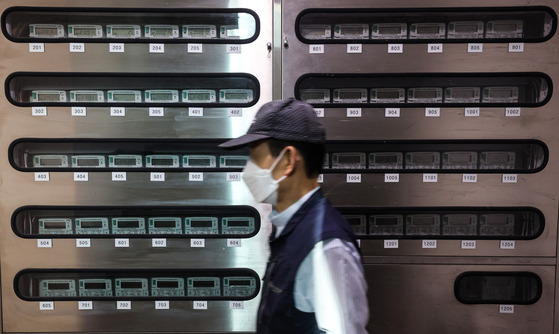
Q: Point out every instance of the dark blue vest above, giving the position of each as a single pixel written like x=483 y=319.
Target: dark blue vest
x=315 y=221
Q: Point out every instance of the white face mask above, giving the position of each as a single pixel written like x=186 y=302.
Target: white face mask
x=261 y=183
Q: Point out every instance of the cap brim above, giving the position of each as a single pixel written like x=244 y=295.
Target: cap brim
x=243 y=140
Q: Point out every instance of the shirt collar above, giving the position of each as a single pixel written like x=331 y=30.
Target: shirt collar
x=282 y=218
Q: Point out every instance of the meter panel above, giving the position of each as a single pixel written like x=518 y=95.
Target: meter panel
x=140 y=25
x=136 y=222
x=512 y=288
x=421 y=25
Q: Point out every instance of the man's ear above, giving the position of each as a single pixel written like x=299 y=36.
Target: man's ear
x=291 y=159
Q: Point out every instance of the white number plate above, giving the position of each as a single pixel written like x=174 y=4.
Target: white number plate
x=162 y=242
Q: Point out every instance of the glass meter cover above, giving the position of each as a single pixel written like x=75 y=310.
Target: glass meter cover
x=423 y=224
x=95 y=287
x=201 y=225
x=161 y=31
x=459 y=224
x=389 y=31
x=237 y=225
x=350 y=95
x=125 y=161
x=427 y=30
x=497 y=160
x=349 y=160
x=504 y=29
x=92 y=225
x=46 y=30
x=131 y=287
x=162 y=95
x=199 y=161
x=386 y=160
x=423 y=160
x=55 y=226
x=386 y=225
x=162 y=160
x=460 y=160
x=204 y=286
x=496 y=224
x=48 y=96
x=462 y=95
x=57 y=288
x=351 y=31
x=233 y=161
x=465 y=29
x=123 y=31
x=129 y=225
x=167 y=286
x=124 y=96
x=316 y=31
x=165 y=225
x=85 y=31
x=198 y=96
x=199 y=31
x=239 y=286
x=235 y=95
x=79 y=161
x=50 y=160
x=425 y=95
x=388 y=95
x=315 y=95
x=503 y=94
x=87 y=96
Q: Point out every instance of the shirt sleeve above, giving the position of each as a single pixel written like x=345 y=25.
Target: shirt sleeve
x=331 y=283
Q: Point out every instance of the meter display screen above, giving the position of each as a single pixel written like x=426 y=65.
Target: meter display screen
x=128 y=225
x=131 y=287
x=204 y=286
x=351 y=31
x=165 y=225
x=423 y=160
x=350 y=95
x=200 y=161
x=199 y=96
x=88 y=161
x=500 y=94
x=85 y=31
x=125 y=160
x=87 y=96
x=57 y=288
x=462 y=95
x=427 y=30
x=459 y=160
x=124 y=96
x=51 y=160
x=92 y=225
x=388 y=160
x=459 y=224
x=497 y=160
x=46 y=30
x=504 y=29
x=167 y=286
x=465 y=29
x=199 y=31
x=315 y=95
x=235 y=95
x=388 y=95
x=161 y=31
x=358 y=223
x=313 y=31
x=239 y=286
x=123 y=31
x=349 y=160
x=496 y=225
x=201 y=225
x=166 y=96
x=426 y=224
x=48 y=96
x=389 y=30
x=169 y=161
x=425 y=95
x=95 y=287
x=386 y=225
x=237 y=225
x=55 y=226
x=232 y=161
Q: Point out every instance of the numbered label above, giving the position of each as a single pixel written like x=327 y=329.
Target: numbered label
x=85 y=305
x=512 y=112
x=233 y=177
x=507 y=244
x=471 y=112
x=123 y=305
x=162 y=305
x=157 y=177
x=432 y=112
x=159 y=242
x=393 y=178
x=156 y=112
x=390 y=243
x=353 y=178
x=81 y=176
x=38 y=111
x=395 y=48
x=429 y=244
x=37 y=47
x=235 y=112
x=319 y=112
x=510 y=178
x=320 y=178
x=122 y=243
x=469 y=178
x=196 y=177
x=200 y=305
x=83 y=243
x=318 y=48
x=156 y=48
x=196 y=112
x=353 y=112
x=434 y=48
x=430 y=178
x=198 y=243
x=116 y=47
x=118 y=111
x=236 y=305
x=46 y=306
x=475 y=47
x=233 y=48
x=233 y=242
x=354 y=48
x=42 y=176
x=118 y=176
x=516 y=47
x=77 y=47
x=468 y=244
x=392 y=112
x=79 y=111
x=44 y=243
x=506 y=308
x=194 y=48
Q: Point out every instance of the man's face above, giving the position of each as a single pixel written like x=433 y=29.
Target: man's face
x=260 y=154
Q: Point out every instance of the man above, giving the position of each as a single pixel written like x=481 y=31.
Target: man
x=314 y=279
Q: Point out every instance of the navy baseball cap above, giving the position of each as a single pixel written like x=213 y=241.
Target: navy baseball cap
x=289 y=120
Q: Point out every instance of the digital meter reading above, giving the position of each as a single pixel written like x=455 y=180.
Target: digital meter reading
x=233 y=161
x=235 y=95
x=203 y=287
x=349 y=160
x=427 y=31
x=316 y=31
x=351 y=31
x=358 y=223
x=162 y=96
x=465 y=29
x=425 y=95
x=230 y=32
x=199 y=31
x=167 y=287
x=92 y=225
x=87 y=96
x=95 y=287
x=462 y=95
x=496 y=225
x=423 y=160
x=500 y=94
x=459 y=160
x=460 y=224
x=386 y=160
x=128 y=225
x=48 y=96
x=131 y=287
x=165 y=225
x=237 y=225
x=423 y=224
x=497 y=160
x=389 y=31
x=504 y=29
x=161 y=31
x=50 y=161
x=57 y=288
x=386 y=225
x=201 y=225
x=199 y=161
x=198 y=96
x=239 y=286
x=123 y=31
x=162 y=161
x=125 y=161
x=124 y=96
x=46 y=30
x=88 y=161
x=55 y=226
x=85 y=31
x=388 y=95
x=315 y=95
x=350 y=95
